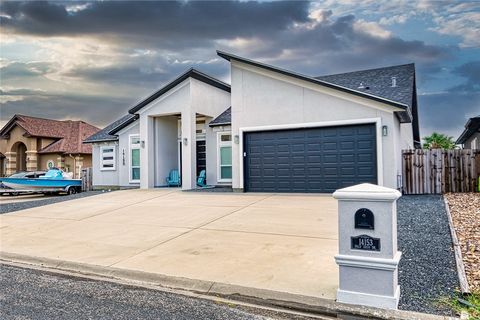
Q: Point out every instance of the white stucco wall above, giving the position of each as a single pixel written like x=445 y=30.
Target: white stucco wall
x=166 y=148
x=263 y=98
x=189 y=98
x=103 y=177
x=124 y=148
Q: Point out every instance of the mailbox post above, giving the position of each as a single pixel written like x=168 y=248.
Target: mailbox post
x=368 y=257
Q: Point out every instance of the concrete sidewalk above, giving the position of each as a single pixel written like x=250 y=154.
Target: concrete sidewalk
x=276 y=242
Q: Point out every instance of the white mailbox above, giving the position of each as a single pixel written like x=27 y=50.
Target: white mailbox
x=368 y=257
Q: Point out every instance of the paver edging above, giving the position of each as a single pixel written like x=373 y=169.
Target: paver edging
x=462 y=276
x=261 y=297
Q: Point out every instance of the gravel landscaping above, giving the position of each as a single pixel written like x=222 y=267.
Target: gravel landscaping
x=16 y=206
x=465 y=211
x=427 y=271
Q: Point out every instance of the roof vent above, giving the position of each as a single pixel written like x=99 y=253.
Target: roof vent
x=361 y=86
x=394 y=82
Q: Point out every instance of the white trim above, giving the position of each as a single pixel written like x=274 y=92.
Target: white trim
x=130 y=126
x=130 y=180
x=376 y=121
x=163 y=97
x=114 y=153
x=219 y=163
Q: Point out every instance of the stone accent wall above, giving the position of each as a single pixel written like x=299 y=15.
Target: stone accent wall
x=11 y=158
x=61 y=162
x=32 y=160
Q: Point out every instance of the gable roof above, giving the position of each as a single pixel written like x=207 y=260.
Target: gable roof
x=225 y=118
x=398 y=104
x=35 y=127
x=108 y=133
x=67 y=133
x=379 y=82
x=472 y=126
x=190 y=73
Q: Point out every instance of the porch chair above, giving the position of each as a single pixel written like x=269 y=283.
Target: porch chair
x=173 y=179
x=202 y=179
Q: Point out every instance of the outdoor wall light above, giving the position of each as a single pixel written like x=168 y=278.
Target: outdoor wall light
x=384 y=131
x=142 y=143
x=185 y=141
x=236 y=139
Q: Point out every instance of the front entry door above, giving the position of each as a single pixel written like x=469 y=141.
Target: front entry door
x=201 y=156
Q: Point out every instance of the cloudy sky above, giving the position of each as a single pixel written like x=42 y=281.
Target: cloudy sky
x=93 y=60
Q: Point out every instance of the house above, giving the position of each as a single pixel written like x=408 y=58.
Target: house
x=271 y=130
x=470 y=137
x=31 y=143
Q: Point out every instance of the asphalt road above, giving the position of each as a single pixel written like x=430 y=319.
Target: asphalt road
x=35 y=294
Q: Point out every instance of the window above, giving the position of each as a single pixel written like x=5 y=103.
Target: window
x=107 y=157
x=134 y=158
x=224 y=157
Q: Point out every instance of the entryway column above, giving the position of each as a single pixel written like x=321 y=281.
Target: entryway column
x=11 y=167
x=61 y=162
x=32 y=160
x=368 y=257
x=189 y=143
x=147 y=150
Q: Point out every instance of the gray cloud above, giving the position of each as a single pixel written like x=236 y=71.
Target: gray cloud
x=191 y=31
x=95 y=110
x=157 y=19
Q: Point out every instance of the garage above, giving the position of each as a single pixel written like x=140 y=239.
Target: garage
x=320 y=159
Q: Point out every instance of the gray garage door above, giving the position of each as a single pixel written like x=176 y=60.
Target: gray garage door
x=310 y=160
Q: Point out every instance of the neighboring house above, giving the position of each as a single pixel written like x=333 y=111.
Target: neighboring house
x=31 y=143
x=271 y=130
x=470 y=137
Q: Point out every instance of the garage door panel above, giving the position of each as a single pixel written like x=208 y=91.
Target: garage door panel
x=310 y=160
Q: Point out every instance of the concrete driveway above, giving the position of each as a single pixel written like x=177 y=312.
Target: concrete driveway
x=268 y=241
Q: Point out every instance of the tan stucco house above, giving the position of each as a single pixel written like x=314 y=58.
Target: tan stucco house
x=31 y=143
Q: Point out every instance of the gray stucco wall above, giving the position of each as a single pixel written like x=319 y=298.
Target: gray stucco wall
x=469 y=144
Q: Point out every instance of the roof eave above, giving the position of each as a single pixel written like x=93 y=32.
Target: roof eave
x=229 y=57
x=101 y=140
x=219 y=124
x=172 y=84
x=123 y=124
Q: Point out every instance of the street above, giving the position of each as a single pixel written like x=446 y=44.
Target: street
x=35 y=294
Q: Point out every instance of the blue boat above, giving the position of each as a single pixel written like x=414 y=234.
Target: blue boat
x=53 y=181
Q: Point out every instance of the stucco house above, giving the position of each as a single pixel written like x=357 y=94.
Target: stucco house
x=470 y=137
x=270 y=130
x=31 y=143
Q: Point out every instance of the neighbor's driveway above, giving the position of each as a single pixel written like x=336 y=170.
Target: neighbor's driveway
x=267 y=241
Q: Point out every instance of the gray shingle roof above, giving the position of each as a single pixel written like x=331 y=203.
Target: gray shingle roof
x=104 y=135
x=378 y=82
x=225 y=118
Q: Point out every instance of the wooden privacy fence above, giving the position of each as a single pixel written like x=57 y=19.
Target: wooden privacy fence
x=86 y=177
x=440 y=171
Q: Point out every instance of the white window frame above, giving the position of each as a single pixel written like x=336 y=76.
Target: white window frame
x=130 y=148
x=220 y=144
x=104 y=162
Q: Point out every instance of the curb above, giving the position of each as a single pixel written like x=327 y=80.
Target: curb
x=261 y=297
x=462 y=277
